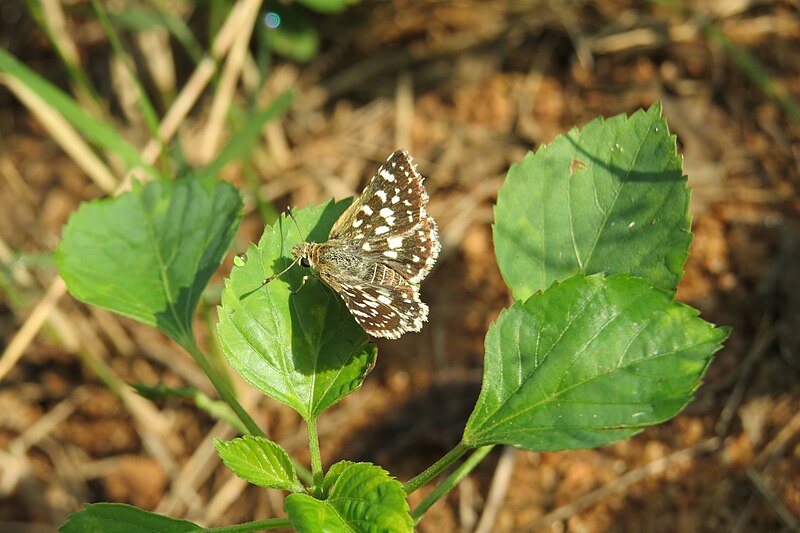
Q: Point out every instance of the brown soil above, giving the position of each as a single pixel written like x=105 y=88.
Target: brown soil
x=468 y=87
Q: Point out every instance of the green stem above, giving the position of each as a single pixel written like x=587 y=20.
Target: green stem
x=435 y=469
x=257 y=525
x=224 y=391
x=451 y=481
x=316 y=457
x=187 y=341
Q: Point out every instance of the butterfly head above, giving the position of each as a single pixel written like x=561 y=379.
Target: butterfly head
x=303 y=254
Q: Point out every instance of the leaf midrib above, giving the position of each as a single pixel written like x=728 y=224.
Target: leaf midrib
x=624 y=182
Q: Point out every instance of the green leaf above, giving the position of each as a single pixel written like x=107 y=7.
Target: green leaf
x=120 y=518
x=590 y=361
x=608 y=198
x=327 y=6
x=96 y=131
x=294 y=37
x=362 y=498
x=259 y=461
x=294 y=341
x=149 y=253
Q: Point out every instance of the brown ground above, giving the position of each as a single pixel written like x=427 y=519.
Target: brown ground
x=468 y=87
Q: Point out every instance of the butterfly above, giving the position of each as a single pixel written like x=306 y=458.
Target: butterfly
x=379 y=250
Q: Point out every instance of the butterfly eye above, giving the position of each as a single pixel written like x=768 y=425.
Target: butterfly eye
x=304 y=262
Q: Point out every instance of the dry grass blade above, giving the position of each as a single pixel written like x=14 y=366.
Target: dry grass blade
x=54 y=19
x=497 y=492
x=183 y=493
x=169 y=125
x=227 y=85
x=198 y=81
x=31 y=327
x=64 y=134
x=773 y=500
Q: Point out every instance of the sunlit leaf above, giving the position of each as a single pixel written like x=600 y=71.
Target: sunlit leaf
x=360 y=498
x=293 y=340
x=149 y=253
x=588 y=362
x=259 y=461
x=609 y=197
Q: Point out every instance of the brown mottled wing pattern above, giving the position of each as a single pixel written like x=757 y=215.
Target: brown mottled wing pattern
x=383 y=311
x=389 y=220
x=380 y=249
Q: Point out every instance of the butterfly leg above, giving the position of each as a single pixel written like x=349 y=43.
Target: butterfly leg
x=303 y=282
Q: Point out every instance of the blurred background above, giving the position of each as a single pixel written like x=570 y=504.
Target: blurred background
x=468 y=87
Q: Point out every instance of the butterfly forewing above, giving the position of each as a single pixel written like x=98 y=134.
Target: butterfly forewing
x=389 y=220
x=393 y=202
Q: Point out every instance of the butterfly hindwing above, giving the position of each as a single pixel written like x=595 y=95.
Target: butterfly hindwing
x=384 y=311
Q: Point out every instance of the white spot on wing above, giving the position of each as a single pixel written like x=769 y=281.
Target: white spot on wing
x=391 y=254
x=358 y=223
x=385 y=299
x=367 y=209
x=386 y=212
x=366 y=247
x=395 y=242
x=380 y=230
x=381 y=195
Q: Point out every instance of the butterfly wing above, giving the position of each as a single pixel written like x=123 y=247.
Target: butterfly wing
x=389 y=222
x=382 y=310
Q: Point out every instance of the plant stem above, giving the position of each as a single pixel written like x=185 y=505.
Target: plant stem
x=228 y=397
x=451 y=481
x=435 y=469
x=257 y=525
x=316 y=457
x=224 y=391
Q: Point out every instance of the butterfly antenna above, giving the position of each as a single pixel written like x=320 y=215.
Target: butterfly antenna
x=296 y=225
x=282 y=272
x=279 y=274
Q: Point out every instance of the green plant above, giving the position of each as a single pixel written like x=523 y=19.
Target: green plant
x=591 y=235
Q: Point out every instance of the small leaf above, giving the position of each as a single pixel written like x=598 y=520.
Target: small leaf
x=294 y=341
x=259 y=461
x=588 y=362
x=362 y=498
x=120 y=518
x=290 y=34
x=149 y=253
x=608 y=198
